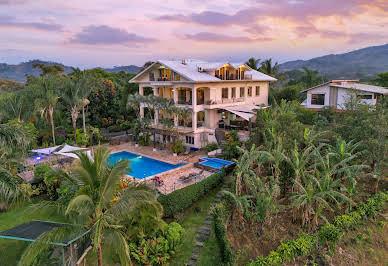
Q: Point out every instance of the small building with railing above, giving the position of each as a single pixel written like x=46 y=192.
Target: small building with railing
x=220 y=95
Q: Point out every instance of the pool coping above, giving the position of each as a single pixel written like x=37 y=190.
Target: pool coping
x=155 y=158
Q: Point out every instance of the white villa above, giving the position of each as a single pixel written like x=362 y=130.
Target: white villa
x=336 y=93
x=221 y=95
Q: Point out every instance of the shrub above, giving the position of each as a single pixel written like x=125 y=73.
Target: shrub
x=174 y=236
x=231 y=150
x=178 y=146
x=82 y=139
x=60 y=139
x=114 y=128
x=329 y=233
x=232 y=136
x=144 y=140
x=212 y=146
x=301 y=246
x=221 y=213
x=40 y=172
x=125 y=125
x=183 y=198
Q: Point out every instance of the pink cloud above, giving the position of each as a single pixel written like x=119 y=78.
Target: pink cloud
x=107 y=35
x=215 y=37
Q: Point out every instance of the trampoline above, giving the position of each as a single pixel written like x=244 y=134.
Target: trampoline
x=32 y=230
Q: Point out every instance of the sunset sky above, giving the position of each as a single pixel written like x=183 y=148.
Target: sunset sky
x=89 y=33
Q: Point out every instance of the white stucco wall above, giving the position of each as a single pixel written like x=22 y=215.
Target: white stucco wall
x=325 y=89
x=345 y=94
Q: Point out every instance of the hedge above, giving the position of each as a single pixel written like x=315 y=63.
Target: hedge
x=328 y=234
x=221 y=213
x=181 y=199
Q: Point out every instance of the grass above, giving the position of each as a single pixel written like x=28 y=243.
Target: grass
x=11 y=250
x=191 y=221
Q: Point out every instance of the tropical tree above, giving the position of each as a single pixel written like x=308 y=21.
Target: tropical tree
x=48 y=69
x=382 y=79
x=267 y=67
x=47 y=96
x=15 y=105
x=253 y=63
x=311 y=78
x=94 y=205
x=14 y=141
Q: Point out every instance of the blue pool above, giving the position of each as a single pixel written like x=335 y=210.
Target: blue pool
x=215 y=162
x=141 y=166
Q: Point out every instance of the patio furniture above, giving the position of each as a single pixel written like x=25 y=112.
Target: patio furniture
x=158 y=181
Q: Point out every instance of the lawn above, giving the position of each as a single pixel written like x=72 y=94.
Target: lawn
x=11 y=250
x=191 y=220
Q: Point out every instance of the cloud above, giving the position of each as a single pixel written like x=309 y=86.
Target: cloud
x=7 y=21
x=108 y=35
x=12 y=2
x=211 y=18
x=215 y=37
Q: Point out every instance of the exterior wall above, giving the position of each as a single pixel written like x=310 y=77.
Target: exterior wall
x=319 y=90
x=345 y=94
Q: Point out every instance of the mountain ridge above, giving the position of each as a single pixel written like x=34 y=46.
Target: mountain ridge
x=19 y=71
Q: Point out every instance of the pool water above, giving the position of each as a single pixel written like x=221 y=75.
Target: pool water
x=141 y=166
x=215 y=162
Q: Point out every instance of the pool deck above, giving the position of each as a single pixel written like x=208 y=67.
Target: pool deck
x=171 y=181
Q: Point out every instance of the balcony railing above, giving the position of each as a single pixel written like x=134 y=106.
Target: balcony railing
x=223 y=101
x=232 y=77
x=199 y=102
x=163 y=79
x=184 y=101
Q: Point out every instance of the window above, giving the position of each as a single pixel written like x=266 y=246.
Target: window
x=177 y=77
x=318 y=99
x=365 y=97
x=249 y=91
x=224 y=93
x=189 y=140
x=172 y=93
x=257 y=90
x=234 y=92
x=152 y=76
x=242 y=92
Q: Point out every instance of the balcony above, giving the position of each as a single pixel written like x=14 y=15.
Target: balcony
x=233 y=77
x=225 y=101
x=183 y=101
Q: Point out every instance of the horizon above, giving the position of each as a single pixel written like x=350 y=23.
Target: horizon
x=100 y=34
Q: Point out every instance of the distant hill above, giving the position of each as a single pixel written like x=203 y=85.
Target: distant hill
x=18 y=72
x=359 y=64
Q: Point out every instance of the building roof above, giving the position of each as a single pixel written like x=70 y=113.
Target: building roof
x=363 y=87
x=352 y=85
x=189 y=69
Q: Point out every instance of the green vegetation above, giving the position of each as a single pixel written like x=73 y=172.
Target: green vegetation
x=183 y=198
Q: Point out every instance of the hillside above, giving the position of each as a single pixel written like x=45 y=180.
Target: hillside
x=18 y=72
x=361 y=64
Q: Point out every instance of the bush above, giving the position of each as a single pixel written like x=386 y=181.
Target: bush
x=183 y=198
x=125 y=125
x=177 y=147
x=82 y=139
x=221 y=213
x=40 y=172
x=144 y=140
x=114 y=128
x=60 y=139
x=232 y=136
x=174 y=236
x=306 y=116
x=347 y=221
x=212 y=146
x=301 y=246
x=231 y=150
x=329 y=233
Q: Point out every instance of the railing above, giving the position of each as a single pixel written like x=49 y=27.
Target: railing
x=184 y=101
x=226 y=100
x=163 y=79
x=231 y=77
x=199 y=102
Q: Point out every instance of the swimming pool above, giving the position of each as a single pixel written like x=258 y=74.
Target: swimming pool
x=141 y=166
x=215 y=162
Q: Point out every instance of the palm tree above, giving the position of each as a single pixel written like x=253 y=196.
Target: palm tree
x=76 y=90
x=93 y=205
x=15 y=105
x=311 y=78
x=14 y=141
x=268 y=68
x=253 y=63
x=46 y=88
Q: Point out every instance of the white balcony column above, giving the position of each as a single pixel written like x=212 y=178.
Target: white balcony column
x=156 y=91
x=229 y=93
x=141 y=90
x=176 y=120
x=156 y=117
x=175 y=90
x=194 y=121
x=194 y=98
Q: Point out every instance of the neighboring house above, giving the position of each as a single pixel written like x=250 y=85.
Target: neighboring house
x=220 y=95
x=336 y=93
